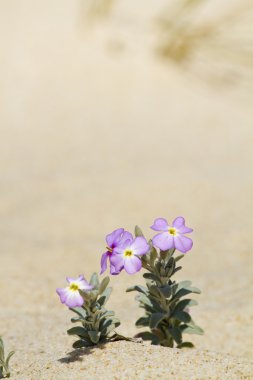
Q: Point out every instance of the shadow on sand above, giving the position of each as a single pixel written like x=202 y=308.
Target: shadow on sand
x=77 y=354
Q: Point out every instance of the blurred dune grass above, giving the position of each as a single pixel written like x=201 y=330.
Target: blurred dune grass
x=191 y=32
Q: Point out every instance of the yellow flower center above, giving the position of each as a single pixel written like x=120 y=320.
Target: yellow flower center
x=74 y=287
x=128 y=253
x=172 y=231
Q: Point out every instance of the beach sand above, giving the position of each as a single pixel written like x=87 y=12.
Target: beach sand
x=98 y=132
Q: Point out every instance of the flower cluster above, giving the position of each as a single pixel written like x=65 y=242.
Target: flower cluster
x=166 y=314
x=124 y=251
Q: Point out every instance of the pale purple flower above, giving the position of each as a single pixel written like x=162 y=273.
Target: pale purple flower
x=117 y=237
x=127 y=255
x=172 y=236
x=70 y=295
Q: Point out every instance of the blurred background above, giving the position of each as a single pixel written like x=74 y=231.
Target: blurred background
x=114 y=113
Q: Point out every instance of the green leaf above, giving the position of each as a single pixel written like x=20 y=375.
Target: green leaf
x=182 y=316
x=138 y=231
x=151 y=276
x=179 y=257
x=143 y=321
x=153 y=255
x=176 y=334
x=181 y=284
x=104 y=284
x=8 y=358
x=108 y=325
x=79 y=311
x=77 y=319
x=110 y=328
x=81 y=343
x=146 y=335
x=191 y=329
x=108 y=313
x=166 y=255
x=138 y=288
x=185 y=345
x=155 y=319
x=143 y=299
x=183 y=304
x=184 y=291
x=170 y=266
x=78 y=330
x=94 y=336
x=94 y=281
x=1 y=348
x=155 y=291
x=166 y=291
x=104 y=296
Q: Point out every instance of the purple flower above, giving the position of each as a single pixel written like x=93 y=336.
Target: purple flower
x=117 y=237
x=126 y=255
x=172 y=236
x=70 y=295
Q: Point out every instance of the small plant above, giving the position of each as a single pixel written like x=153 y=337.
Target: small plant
x=167 y=312
x=4 y=362
x=88 y=301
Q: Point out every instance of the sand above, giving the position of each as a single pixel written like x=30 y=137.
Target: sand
x=97 y=133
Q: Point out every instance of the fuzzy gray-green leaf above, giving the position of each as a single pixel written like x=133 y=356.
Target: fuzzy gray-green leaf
x=104 y=284
x=143 y=299
x=142 y=322
x=166 y=291
x=155 y=319
x=186 y=345
x=94 y=336
x=138 y=231
x=94 y=281
x=79 y=311
x=78 y=330
x=184 y=291
x=8 y=358
x=176 y=334
x=182 y=316
x=191 y=329
x=138 y=288
x=146 y=335
x=153 y=255
x=104 y=296
x=179 y=257
x=81 y=343
x=183 y=304
x=151 y=276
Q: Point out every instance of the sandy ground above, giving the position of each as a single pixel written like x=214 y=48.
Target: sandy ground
x=98 y=133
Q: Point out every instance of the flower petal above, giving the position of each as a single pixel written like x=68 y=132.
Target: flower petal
x=179 y=224
x=160 y=224
x=71 y=279
x=182 y=243
x=117 y=261
x=62 y=293
x=163 y=241
x=103 y=262
x=122 y=246
x=84 y=285
x=74 y=299
x=140 y=246
x=114 y=270
x=132 y=264
x=113 y=237
x=126 y=236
